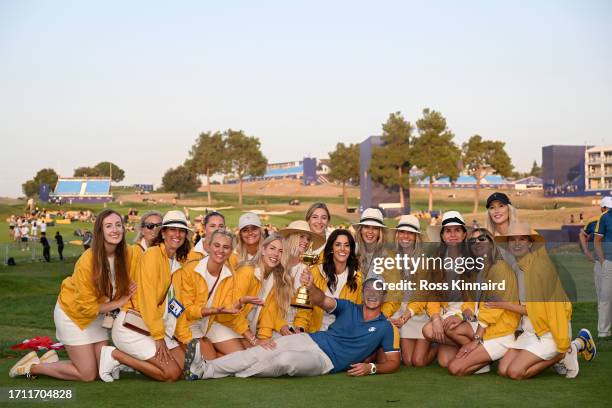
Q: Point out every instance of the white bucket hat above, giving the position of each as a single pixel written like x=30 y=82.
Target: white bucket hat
x=408 y=223
x=300 y=227
x=175 y=219
x=449 y=218
x=373 y=217
x=247 y=219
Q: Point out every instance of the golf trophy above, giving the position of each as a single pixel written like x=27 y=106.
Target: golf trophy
x=301 y=300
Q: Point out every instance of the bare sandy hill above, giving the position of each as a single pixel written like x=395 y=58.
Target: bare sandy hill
x=285 y=188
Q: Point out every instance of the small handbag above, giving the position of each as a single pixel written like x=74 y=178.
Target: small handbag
x=133 y=319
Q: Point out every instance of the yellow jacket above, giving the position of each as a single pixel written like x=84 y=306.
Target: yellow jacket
x=246 y=283
x=191 y=290
x=78 y=298
x=393 y=300
x=423 y=300
x=548 y=307
x=153 y=279
x=311 y=320
x=499 y=322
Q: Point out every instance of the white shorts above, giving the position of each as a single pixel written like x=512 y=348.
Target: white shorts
x=135 y=344
x=544 y=347
x=219 y=332
x=69 y=334
x=497 y=347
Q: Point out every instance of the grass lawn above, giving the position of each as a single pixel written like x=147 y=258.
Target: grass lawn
x=28 y=293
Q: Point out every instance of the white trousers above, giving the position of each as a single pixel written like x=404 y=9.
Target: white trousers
x=603 y=288
x=294 y=355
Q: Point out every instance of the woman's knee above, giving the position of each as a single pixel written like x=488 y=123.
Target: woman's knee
x=407 y=358
x=515 y=373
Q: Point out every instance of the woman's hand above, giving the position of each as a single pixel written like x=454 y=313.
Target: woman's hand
x=306 y=278
x=451 y=322
x=438 y=330
x=400 y=321
x=253 y=300
x=468 y=314
x=162 y=354
x=467 y=349
x=119 y=303
x=285 y=331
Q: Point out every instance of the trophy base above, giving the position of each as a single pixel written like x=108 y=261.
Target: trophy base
x=302 y=306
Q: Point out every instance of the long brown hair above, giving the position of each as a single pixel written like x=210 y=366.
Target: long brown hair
x=101 y=268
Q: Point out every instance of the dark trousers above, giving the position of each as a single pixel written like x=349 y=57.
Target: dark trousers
x=60 y=251
x=47 y=253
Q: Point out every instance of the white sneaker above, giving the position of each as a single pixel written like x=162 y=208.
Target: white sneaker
x=49 y=357
x=571 y=361
x=108 y=365
x=22 y=367
x=484 y=369
x=196 y=371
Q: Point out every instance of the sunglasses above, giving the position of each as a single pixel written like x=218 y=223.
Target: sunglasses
x=480 y=238
x=151 y=226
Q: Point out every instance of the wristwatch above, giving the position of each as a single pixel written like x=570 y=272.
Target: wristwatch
x=372 y=368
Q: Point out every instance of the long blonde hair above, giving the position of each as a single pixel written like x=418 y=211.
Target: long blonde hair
x=283 y=284
x=512 y=219
x=361 y=247
x=241 y=250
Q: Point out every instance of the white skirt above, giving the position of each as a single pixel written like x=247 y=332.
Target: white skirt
x=69 y=334
x=544 y=347
x=497 y=347
x=136 y=344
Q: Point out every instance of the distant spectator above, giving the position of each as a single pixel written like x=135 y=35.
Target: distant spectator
x=43 y=226
x=46 y=247
x=474 y=224
x=572 y=218
x=34 y=229
x=60 y=244
x=87 y=238
x=24 y=234
x=197 y=237
x=16 y=234
x=581 y=217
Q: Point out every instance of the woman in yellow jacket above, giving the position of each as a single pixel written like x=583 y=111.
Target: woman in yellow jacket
x=206 y=290
x=418 y=306
x=265 y=279
x=148 y=230
x=101 y=283
x=545 y=311
x=155 y=354
x=250 y=239
x=494 y=334
x=337 y=277
x=212 y=221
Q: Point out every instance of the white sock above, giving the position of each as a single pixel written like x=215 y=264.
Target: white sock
x=579 y=343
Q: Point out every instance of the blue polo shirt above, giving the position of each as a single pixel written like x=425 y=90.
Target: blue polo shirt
x=589 y=229
x=351 y=340
x=604 y=228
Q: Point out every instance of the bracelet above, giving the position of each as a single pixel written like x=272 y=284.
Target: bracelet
x=253 y=341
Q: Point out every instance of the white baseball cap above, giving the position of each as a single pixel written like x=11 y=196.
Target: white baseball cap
x=247 y=219
x=606 y=202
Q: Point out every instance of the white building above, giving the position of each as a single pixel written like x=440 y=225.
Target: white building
x=598 y=168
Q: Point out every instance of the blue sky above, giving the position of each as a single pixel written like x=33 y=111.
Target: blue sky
x=135 y=82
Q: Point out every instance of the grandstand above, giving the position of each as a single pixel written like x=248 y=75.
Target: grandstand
x=466 y=181
x=82 y=190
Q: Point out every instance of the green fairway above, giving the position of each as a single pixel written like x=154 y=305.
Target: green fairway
x=28 y=293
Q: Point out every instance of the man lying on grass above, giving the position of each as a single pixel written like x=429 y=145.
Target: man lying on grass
x=358 y=332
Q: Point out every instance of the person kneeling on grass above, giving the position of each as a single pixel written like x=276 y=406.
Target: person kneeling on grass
x=358 y=332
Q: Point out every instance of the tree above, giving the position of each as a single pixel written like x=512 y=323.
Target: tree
x=435 y=141
x=481 y=157
x=535 y=170
x=180 y=180
x=43 y=176
x=108 y=169
x=344 y=166
x=243 y=157
x=206 y=157
x=390 y=162
x=85 y=172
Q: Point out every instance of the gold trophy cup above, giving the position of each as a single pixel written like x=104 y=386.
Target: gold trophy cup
x=301 y=300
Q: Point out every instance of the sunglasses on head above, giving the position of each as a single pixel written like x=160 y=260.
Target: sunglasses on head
x=480 y=238
x=151 y=226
